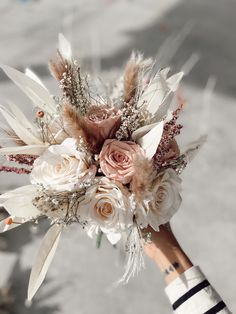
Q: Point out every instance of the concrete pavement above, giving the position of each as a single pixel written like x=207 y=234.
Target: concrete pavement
x=80 y=278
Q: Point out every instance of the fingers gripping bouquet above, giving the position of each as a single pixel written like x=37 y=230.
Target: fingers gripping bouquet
x=109 y=163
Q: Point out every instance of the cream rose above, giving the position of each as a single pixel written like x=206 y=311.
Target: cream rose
x=165 y=200
x=62 y=167
x=101 y=123
x=117 y=159
x=106 y=207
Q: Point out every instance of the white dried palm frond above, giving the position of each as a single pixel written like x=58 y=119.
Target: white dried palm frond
x=35 y=91
x=150 y=140
x=18 y=202
x=158 y=95
x=64 y=47
x=35 y=150
x=34 y=77
x=21 y=130
x=194 y=147
x=8 y=135
x=43 y=259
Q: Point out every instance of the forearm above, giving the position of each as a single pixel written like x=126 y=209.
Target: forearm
x=188 y=289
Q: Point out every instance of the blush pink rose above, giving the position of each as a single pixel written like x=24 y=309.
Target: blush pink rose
x=101 y=123
x=117 y=159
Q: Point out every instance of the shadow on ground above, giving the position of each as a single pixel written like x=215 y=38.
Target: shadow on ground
x=18 y=289
x=212 y=36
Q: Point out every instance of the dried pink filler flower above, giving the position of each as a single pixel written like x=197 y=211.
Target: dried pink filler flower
x=14 y=169
x=168 y=148
x=22 y=159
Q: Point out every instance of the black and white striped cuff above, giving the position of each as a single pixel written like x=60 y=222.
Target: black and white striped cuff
x=191 y=293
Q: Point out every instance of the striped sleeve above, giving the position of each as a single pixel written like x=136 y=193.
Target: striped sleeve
x=191 y=293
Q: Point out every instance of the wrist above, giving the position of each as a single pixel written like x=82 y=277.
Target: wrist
x=172 y=262
x=166 y=252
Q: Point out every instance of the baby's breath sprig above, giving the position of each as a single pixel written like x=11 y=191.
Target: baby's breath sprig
x=58 y=204
x=132 y=119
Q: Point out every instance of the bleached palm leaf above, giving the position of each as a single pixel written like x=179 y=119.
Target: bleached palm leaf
x=165 y=72
x=169 y=87
x=150 y=141
x=34 y=77
x=194 y=147
x=64 y=47
x=190 y=63
x=174 y=80
x=22 y=131
x=43 y=259
x=39 y=95
x=142 y=131
x=26 y=150
x=18 y=202
x=15 y=192
x=154 y=94
x=171 y=45
x=163 y=109
x=22 y=118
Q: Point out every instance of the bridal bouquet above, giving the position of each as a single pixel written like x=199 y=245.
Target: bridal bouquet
x=108 y=161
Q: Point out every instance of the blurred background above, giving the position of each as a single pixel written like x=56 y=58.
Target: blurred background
x=103 y=33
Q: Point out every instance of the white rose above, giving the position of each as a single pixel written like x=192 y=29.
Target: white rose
x=166 y=198
x=62 y=167
x=106 y=208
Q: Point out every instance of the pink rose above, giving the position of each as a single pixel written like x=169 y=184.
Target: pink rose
x=117 y=159
x=100 y=123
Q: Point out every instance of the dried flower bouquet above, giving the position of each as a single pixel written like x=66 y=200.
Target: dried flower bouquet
x=109 y=163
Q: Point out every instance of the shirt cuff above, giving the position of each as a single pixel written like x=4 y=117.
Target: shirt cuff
x=192 y=293
x=186 y=281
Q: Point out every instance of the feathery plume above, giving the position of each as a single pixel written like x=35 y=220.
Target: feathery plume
x=78 y=128
x=143 y=176
x=72 y=121
x=132 y=74
x=58 y=68
x=131 y=77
